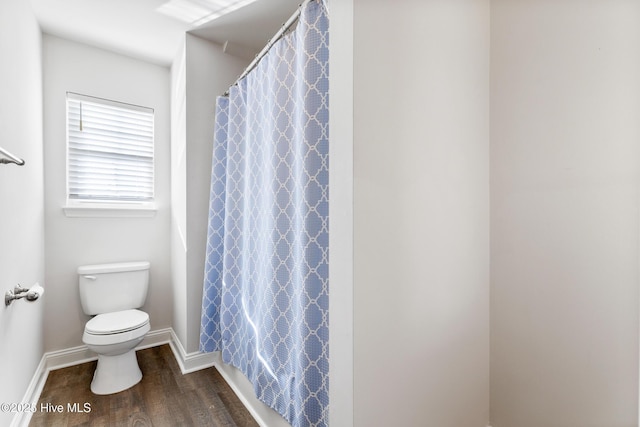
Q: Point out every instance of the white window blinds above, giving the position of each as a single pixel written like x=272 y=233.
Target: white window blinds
x=110 y=150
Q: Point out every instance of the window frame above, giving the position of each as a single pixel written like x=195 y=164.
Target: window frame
x=96 y=208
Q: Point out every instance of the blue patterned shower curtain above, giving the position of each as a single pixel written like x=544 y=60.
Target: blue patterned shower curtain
x=265 y=300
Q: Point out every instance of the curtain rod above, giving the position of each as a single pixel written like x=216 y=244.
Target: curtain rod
x=10 y=158
x=292 y=20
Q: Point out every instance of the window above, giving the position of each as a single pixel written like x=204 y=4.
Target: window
x=109 y=153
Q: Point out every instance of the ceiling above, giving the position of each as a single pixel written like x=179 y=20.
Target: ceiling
x=135 y=28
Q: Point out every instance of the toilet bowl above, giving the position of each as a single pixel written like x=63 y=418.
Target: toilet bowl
x=112 y=293
x=114 y=336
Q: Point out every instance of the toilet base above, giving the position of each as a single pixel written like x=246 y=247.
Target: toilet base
x=116 y=373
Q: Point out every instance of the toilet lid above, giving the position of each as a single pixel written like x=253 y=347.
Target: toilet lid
x=116 y=322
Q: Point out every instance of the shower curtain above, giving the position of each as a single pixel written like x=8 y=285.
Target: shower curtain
x=265 y=299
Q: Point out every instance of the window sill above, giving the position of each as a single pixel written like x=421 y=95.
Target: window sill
x=109 y=211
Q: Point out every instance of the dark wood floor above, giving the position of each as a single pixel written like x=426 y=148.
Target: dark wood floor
x=164 y=397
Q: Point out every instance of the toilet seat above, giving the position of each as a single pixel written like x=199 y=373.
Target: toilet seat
x=116 y=322
x=116 y=327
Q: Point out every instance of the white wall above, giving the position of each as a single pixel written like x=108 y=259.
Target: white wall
x=201 y=72
x=71 y=242
x=565 y=156
x=179 y=194
x=421 y=213
x=21 y=199
x=341 y=213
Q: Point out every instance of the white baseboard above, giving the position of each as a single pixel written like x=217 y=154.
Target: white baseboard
x=242 y=387
x=189 y=362
x=81 y=354
x=21 y=419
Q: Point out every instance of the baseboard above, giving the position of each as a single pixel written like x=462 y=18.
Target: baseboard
x=156 y=338
x=81 y=354
x=31 y=396
x=189 y=362
x=242 y=387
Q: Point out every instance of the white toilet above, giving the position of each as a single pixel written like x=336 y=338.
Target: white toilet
x=112 y=293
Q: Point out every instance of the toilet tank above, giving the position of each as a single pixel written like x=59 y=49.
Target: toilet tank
x=105 y=288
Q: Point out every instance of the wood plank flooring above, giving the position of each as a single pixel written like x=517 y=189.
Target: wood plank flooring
x=164 y=397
